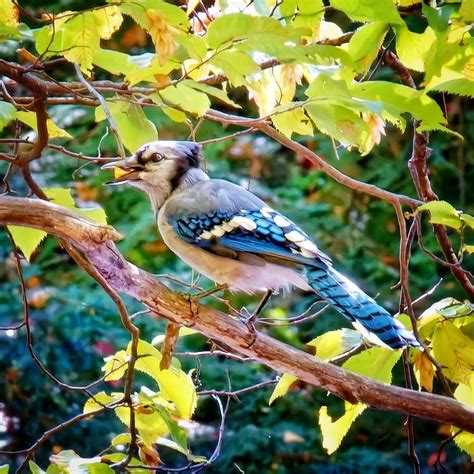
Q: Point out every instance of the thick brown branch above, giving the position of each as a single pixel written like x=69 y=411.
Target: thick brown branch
x=124 y=277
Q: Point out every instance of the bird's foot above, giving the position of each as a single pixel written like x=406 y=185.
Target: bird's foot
x=194 y=301
x=250 y=321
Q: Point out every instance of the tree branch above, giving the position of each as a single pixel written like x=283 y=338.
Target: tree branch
x=122 y=276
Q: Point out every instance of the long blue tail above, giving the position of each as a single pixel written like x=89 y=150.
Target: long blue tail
x=373 y=321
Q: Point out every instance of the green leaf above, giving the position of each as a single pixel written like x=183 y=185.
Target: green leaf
x=7 y=114
x=464 y=393
x=341 y=123
x=74 y=463
x=175 y=385
x=34 y=468
x=120 y=439
x=368 y=10
x=281 y=388
x=77 y=37
x=235 y=65
x=398 y=99
x=236 y=26
x=186 y=98
x=441 y=212
x=212 y=91
x=292 y=121
x=334 y=431
x=29 y=118
x=334 y=343
x=413 y=48
x=365 y=44
x=467 y=14
x=454 y=351
x=133 y=125
x=4 y=469
x=175 y=446
x=148 y=422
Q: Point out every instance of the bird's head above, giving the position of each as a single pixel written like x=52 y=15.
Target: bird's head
x=157 y=167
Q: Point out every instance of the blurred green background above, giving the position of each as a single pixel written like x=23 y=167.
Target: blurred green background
x=75 y=325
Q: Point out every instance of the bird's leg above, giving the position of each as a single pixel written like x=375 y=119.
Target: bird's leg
x=250 y=320
x=210 y=292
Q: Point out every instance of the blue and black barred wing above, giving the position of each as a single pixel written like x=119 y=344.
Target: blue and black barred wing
x=263 y=232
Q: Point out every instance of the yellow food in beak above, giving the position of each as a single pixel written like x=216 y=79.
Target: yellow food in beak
x=119 y=172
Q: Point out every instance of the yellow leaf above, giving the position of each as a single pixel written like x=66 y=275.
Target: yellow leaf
x=26 y=239
x=334 y=343
x=108 y=20
x=150 y=425
x=465 y=394
x=281 y=388
x=161 y=34
x=175 y=385
x=115 y=366
x=99 y=400
x=424 y=371
x=29 y=118
x=413 y=48
x=62 y=197
x=454 y=351
x=334 y=431
x=292 y=121
x=441 y=212
x=10 y=13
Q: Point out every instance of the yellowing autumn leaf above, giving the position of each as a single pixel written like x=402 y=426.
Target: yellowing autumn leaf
x=282 y=387
x=107 y=20
x=9 y=16
x=161 y=35
x=424 y=371
x=29 y=118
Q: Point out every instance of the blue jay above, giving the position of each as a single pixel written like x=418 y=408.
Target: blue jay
x=232 y=237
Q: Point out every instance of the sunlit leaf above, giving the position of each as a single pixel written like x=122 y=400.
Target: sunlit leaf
x=187 y=98
x=413 y=48
x=71 y=461
x=115 y=366
x=175 y=446
x=334 y=431
x=133 y=125
x=398 y=99
x=281 y=388
x=464 y=393
x=10 y=13
x=238 y=25
x=175 y=385
x=365 y=44
x=292 y=121
x=368 y=10
x=454 y=351
x=99 y=400
x=34 y=468
x=4 y=469
x=424 y=371
x=334 y=343
x=7 y=114
x=26 y=239
x=29 y=118
x=122 y=438
x=235 y=65
x=161 y=34
x=212 y=91
x=441 y=212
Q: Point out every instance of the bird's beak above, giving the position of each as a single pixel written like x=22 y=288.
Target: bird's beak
x=124 y=170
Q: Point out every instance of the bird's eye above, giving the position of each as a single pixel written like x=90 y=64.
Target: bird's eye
x=156 y=157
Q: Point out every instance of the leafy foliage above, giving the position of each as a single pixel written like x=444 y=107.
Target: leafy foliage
x=286 y=62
